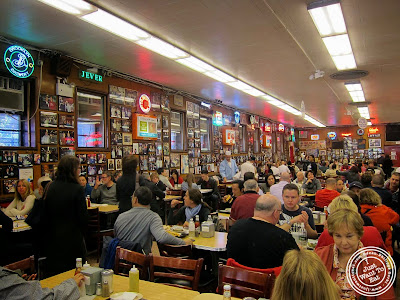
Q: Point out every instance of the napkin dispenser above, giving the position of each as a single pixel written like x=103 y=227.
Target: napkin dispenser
x=207 y=229
x=92 y=277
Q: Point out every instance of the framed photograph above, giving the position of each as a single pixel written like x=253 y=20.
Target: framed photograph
x=143 y=163
x=67 y=151
x=25 y=160
x=196 y=109
x=67 y=137
x=100 y=170
x=178 y=100
x=165 y=136
x=190 y=123
x=116 y=94
x=66 y=104
x=48 y=119
x=189 y=108
x=49 y=154
x=165 y=122
x=116 y=138
x=165 y=103
x=126 y=126
x=48 y=170
x=135 y=148
x=91 y=159
x=127 y=112
x=92 y=181
x=9 y=186
x=375 y=143
x=303 y=134
x=155 y=101
x=167 y=162
x=48 y=137
x=175 y=160
x=166 y=148
x=115 y=111
x=127 y=139
x=10 y=157
x=196 y=123
x=159 y=149
x=115 y=125
x=110 y=164
x=92 y=170
x=83 y=170
x=48 y=102
x=36 y=159
x=130 y=97
x=101 y=158
x=126 y=150
x=116 y=151
x=10 y=171
x=151 y=148
x=66 y=121
x=82 y=158
x=184 y=164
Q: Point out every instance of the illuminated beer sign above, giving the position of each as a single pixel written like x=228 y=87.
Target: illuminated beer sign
x=281 y=128
x=19 y=61
x=332 y=135
x=373 y=130
x=144 y=103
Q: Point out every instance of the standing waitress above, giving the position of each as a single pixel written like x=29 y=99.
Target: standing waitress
x=66 y=218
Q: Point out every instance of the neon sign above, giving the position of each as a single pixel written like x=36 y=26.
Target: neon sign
x=315 y=137
x=373 y=130
x=19 y=61
x=144 y=103
x=332 y=135
x=90 y=76
x=217 y=120
x=346 y=134
x=281 y=128
x=237 y=117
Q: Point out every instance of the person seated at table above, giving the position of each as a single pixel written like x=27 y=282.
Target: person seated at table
x=228 y=167
x=38 y=184
x=206 y=182
x=340 y=186
x=256 y=242
x=243 y=207
x=193 y=206
x=331 y=172
x=356 y=200
x=250 y=175
x=277 y=189
x=351 y=175
x=163 y=176
x=105 y=190
x=325 y=196
x=83 y=182
x=346 y=228
x=371 y=235
x=269 y=181
x=237 y=190
x=13 y=286
x=312 y=184
x=291 y=209
x=382 y=216
x=156 y=180
x=356 y=187
x=23 y=202
x=305 y=274
x=366 y=179
x=156 y=205
x=141 y=225
x=175 y=179
x=189 y=183
x=299 y=179
x=377 y=184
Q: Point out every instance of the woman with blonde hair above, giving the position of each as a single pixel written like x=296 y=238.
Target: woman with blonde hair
x=304 y=277
x=24 y=200
x=346 y=228
x=189 y=183
x=382 y=216
x=371 y=236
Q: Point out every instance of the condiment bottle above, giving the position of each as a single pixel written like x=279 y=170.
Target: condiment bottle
x=78 y=269
x=197 y=226
x=227 y=292
x=78 y=265
x=134 y=280
x=105 y=290
x=192 y=228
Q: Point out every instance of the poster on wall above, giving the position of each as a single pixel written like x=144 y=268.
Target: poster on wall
x=228 y=136
x=116 y=94
x=66 y=104
x=144 y=127
x=305 y=145
x=375 y=143
x=184 y=164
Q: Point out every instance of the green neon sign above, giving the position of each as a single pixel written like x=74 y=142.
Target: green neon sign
x=19 y=61
x=90 y=76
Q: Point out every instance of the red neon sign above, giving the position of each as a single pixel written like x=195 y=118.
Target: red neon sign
x=267 y=128
x=373 y=130
x=346 y=134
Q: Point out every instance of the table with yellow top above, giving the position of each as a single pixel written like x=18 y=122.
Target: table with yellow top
x=149 y=290
x=104 y=208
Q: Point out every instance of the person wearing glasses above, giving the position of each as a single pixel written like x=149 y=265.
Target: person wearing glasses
x=105 y=190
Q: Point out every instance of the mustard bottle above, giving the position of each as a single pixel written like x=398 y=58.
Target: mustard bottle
x=134 y=280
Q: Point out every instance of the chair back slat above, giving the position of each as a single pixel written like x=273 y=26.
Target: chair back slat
x=182 y=251
x=124 y=259
x=26 y=265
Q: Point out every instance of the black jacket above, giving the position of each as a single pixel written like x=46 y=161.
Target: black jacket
x=154 y=204
x=126 y=186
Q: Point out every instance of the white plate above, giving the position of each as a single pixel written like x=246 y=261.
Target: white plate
x=177 y=228
x=126 y=296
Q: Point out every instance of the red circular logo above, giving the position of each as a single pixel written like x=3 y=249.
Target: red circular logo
x=144 y=103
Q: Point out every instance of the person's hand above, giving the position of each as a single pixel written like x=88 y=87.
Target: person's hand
x=186 y=224
x=98 y=181
x=297 y=219
x=78 y=278
x=189 y=242
x=226 y=198
x=224 y=180
x=30 y=277
x=174 y=203
x=305 y=216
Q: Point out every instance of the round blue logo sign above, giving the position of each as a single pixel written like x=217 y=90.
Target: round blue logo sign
x=237 y=117
x=19 y=61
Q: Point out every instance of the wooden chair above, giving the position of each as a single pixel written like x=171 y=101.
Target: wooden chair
x=181 y=251
x=183 y=273
x=94 y=231
x=125 y=259
x=245 y=283
x=27 y=266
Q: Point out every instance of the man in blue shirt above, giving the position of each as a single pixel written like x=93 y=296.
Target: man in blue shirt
x=228 y=167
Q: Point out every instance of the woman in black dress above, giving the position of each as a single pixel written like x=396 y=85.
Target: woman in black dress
x=66 y=218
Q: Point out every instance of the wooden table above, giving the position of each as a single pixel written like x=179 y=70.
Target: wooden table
x=105 y=209
x=210 y=296
x=149 y=290
x=172 y=197
x=20 y=225
x=206 y=191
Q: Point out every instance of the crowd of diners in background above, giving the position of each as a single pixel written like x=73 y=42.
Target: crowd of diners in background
x=362 y=199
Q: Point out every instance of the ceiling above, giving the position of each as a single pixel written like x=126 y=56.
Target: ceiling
x=270 y=44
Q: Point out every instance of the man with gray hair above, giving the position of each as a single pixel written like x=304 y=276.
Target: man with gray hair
x=276 y=189
x=257 y=242
x=243 y=207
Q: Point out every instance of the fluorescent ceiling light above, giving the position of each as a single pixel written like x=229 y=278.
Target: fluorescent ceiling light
x=244 y=87
x=291 y=109
x=364 y=112
x=328 y=19
x=313 y=121
x=351 y=87
x=195 y=64
x=344 y=62
x=254 y=92
x=357 y=96
x=220 y=76
x=159 y=46
x=115 y=25
x=338 y=44
x=74 y=7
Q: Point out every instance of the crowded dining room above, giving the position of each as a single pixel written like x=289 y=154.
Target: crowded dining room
x=199 y=150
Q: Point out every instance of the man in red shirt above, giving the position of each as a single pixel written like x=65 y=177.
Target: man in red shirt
x=243 y=207
x=324 y=197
